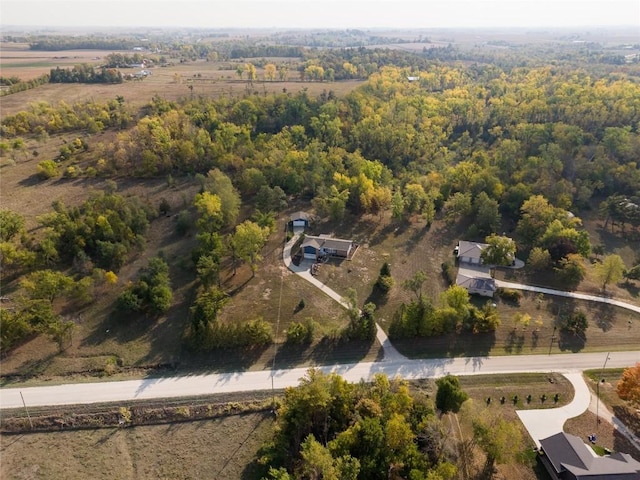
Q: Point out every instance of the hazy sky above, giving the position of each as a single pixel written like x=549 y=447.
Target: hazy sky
x=320 y=13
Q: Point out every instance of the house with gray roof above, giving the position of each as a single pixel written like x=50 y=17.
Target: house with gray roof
x=473 y=275
x=327 y=246
x=479 y=285
x=567 y=457
x=470 y=252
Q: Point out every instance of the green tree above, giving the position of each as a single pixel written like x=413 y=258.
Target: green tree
x=611 y=270
x=456 y=297
x=414 y=284
x=572 y=270
x=536 y=215
x=301 y=333
x=210 y=213
x=246 y=243
x=184 y=222
x=220 y=185
x=271 y=199
x=500 y=440
x=151 y=293
x=449 y=396
x=11 y=224
x=385 y=281
x=47 y=169
x=14 y=327
x=575 y=323
x=397 y=205
x=240 y=71
x=499 y=251
x=46 y=285
x=457 y=207
x=60 y=332
x=209 y=301
x=539 y=259
x=487 y=216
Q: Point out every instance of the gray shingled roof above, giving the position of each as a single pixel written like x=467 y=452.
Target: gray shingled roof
x=478 y=283
x=325 y=241
x=470 y=249
x=568 y=452
x=300 y=216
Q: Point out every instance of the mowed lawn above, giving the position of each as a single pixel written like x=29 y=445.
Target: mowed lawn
x=218 y=448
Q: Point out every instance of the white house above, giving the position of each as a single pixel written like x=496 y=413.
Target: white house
x=479 y=285
x=470 y=252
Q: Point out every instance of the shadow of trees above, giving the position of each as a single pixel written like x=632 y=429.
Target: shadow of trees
x=327 y=351
x=448 y=345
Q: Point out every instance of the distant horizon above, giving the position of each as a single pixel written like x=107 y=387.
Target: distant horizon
x=319 y=14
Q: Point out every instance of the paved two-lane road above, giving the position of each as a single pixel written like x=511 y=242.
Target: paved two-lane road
x=192 y=385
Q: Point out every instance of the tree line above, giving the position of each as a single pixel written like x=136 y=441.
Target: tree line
x=85 y=74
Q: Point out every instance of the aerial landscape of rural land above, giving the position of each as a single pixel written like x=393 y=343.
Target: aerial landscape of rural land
x=279 y=239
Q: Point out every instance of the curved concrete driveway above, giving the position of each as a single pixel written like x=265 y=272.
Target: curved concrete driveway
x=390 y=352
x=562 y=293
x=542 y=423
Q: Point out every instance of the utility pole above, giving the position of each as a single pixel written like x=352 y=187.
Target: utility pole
x=553 y=337
x=600 y=380
x=26 y=410
x=275 y=340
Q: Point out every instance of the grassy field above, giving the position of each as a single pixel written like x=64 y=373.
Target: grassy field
x=218 y=448
x=209 y=79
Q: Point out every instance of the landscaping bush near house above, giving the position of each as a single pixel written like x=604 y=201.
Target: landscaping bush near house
x=448 y=273
x=509 y=294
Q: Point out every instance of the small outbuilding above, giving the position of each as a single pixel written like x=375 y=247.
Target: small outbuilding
x=300 y=219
